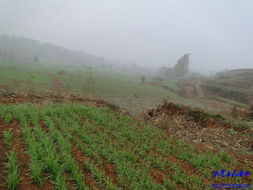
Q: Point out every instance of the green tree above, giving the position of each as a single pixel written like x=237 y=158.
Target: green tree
x=36 y=59
x=182 y=66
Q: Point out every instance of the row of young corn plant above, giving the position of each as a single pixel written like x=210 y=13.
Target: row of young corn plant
x=95 y=145
x=127 y=173
x=94 y=155
x=19 y=112
x=96 y=173
x=128 y=134
x=26 y=115
x=99 y=176
x=102 y=181
x=13 y=176
x=138 y=142
x=180 y=149
x=86 y=137
x=139 y=151
x=65 y=149
x=43 y=151
x=32 y=146
x=47 y=152
x=117 y=135
x=164 y=143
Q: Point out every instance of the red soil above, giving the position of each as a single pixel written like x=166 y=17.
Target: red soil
x=157 y=175
x=4 y=149
x=89 y=181
x=23 y=161
x=110 y=172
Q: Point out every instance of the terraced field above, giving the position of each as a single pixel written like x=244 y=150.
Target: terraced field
x=73 y=146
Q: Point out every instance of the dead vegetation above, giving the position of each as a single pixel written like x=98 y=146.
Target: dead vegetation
x=194 y=125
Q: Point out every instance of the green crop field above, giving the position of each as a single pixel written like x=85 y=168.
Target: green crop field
x=109 y=83
x=100 y=82
x=74 y=146
x=76 y=79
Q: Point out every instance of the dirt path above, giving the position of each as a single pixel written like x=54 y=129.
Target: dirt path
x=200 y=93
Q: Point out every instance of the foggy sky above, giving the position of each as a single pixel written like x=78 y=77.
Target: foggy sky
x=218 y=33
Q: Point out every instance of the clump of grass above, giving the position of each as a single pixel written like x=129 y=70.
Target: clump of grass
x=239 y=125
x=12 y=168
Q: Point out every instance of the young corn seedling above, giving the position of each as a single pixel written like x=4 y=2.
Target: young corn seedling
x=12 y=168
x=36 y=172
x=7 y=137
x=100 y=177
x=32 y=146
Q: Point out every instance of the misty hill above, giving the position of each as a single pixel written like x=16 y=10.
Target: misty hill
x=233 y=84
x=19 y=49
x=239 y=78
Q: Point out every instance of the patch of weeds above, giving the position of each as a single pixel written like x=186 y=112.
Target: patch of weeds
x=240 y=125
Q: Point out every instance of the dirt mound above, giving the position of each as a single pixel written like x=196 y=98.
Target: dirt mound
x=47 y=98
x=199 y=126
x=199 y=116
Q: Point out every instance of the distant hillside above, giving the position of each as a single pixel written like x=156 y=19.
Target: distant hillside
x=19 y=49
x=233 y=84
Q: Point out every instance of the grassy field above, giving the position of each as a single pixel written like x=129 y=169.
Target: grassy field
x=76 y=79
x=73 y=146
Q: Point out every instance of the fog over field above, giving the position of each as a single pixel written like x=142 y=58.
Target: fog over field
x=218 y=33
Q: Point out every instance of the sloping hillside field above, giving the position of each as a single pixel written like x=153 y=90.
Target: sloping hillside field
x=74 y=146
